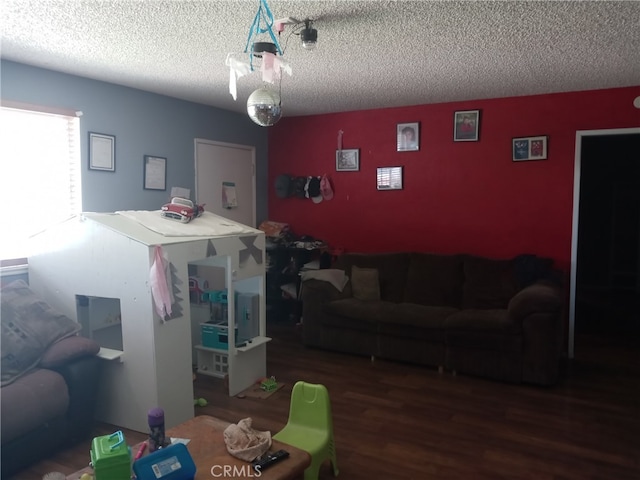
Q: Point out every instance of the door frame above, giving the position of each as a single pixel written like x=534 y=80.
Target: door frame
x=580 y=134
x=249 y=148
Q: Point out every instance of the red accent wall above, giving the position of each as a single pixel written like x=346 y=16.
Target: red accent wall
x=458 y=197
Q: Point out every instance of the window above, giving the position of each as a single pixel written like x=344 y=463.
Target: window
x=39 y=175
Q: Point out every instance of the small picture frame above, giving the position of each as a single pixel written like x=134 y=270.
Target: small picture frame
x=348 y=160
x=102 y=152
x=529 y=148
x=466 y=125
x=408 y=137
x=389 y=178
x=155 y=173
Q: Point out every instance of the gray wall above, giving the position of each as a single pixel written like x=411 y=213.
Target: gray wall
x=144 y=124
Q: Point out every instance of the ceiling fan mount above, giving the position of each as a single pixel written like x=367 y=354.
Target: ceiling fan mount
x=304 y=28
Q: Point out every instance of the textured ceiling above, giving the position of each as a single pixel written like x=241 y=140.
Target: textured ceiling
x=370 y=54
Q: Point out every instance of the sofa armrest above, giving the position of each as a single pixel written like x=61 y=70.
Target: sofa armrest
x=541 y=297
x=67 y=350
x=314 y=294
x=82 y=376
x=538 y=310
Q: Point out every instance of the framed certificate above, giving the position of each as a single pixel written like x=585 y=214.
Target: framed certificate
x=155 y=173
x=102 y=152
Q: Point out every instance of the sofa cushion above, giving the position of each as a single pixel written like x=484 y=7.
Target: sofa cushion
x=392 y=271
x=419 y=322
x=488 y=283
x=434 y=280
x=68 y=349
x=32 y=400
x=481 y=320
x=353 y=314
x=365 y=283
x=483 y=329
x=490 y=342
x=29 y=327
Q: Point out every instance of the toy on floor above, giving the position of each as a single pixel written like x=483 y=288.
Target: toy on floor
x=200 y=402
x=269 y=384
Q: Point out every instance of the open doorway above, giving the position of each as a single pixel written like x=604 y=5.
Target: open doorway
x=605 y=267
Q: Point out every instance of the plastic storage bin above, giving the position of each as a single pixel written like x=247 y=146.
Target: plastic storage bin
x=170 y=463
x=111 y=457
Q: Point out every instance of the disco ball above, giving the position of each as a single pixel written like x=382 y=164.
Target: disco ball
x=263 y=107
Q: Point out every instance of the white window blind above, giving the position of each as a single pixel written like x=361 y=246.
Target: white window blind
x=39 y=175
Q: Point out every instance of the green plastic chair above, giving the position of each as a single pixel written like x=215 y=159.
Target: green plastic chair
x=310 y=427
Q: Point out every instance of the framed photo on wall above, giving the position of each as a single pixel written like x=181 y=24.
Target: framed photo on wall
x=348 y=160
x=389 y=178
x=529 y=148
x=466 y=125
x=408 y=137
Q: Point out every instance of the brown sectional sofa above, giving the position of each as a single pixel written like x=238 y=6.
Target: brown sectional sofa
x=501 y=319
x=50 y=380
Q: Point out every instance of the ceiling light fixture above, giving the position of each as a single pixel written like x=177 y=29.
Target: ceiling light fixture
x=309 y=36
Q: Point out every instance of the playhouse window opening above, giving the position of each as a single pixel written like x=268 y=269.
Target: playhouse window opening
x=101 y=320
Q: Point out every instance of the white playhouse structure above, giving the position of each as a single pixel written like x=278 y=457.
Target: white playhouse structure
x=142 y=286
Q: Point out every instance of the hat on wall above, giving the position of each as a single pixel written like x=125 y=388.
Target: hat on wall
x=284 y=186
x=313 y=189
x=325 y=188
x=299 y=184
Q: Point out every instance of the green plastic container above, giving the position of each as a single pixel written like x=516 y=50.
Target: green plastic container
x=111 y=457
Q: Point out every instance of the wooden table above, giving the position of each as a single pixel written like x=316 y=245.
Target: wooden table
x=209 y=453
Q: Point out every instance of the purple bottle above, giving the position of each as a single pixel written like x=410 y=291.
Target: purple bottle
x=157 y=440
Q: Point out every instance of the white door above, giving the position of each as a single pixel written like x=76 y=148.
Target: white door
x=226 y=169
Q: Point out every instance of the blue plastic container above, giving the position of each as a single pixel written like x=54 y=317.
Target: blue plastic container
x=170 y=463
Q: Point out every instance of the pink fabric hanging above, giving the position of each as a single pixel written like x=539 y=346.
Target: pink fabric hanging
x=160 y=286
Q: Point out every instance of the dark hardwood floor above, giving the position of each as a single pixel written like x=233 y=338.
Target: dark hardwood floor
x=396 y=421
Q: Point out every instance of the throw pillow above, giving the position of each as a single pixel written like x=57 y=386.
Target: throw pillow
x=365 y=283
x=29 y=327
